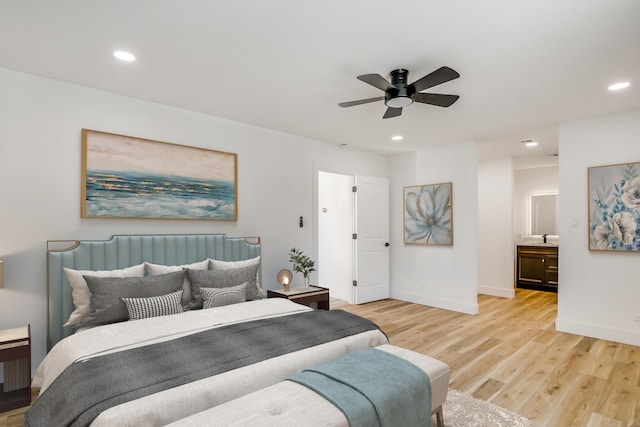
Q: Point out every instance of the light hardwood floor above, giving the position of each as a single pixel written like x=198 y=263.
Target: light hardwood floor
x=511 y=355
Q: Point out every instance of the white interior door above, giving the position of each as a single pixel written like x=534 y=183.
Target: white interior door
x=371 y=247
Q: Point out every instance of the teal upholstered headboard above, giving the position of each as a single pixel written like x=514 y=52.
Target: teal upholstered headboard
x=124 y=251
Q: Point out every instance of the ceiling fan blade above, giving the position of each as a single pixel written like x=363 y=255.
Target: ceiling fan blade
x=392 y=112
x=361 y=101
x=436 y=99
x=439 y=76
x=376 y=80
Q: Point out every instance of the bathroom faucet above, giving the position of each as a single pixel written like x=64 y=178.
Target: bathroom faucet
x=544 y=238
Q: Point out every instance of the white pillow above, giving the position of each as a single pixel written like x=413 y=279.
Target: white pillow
x=82 y=295
x=157 y=269
x=217 y=264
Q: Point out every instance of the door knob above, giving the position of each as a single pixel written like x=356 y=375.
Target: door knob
x=387 y=244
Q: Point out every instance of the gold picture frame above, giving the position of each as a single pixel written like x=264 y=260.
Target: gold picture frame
x=130 y=177
x=614 y=207
x=428 y=214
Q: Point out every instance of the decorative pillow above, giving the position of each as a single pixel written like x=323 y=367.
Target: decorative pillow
x=82 y=295
x=217 y=264
x=156 y=269
x=141 y=308
x=222 y=279
x=107 y=291
x=217 y=297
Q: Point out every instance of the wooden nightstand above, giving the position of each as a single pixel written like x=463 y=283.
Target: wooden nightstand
x=313 y=296
x=15 y=354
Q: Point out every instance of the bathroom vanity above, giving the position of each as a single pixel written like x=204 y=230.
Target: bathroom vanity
x=537 y=267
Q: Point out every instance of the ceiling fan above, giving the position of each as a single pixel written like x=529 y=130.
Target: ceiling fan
x=399 y=94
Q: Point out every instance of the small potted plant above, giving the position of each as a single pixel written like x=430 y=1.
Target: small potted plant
x=302 y=264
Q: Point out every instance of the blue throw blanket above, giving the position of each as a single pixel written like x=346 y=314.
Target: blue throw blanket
x=373 y=388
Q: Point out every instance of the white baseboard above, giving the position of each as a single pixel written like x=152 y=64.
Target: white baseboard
x=446 y=304
x=497 y=292
x=624 y=336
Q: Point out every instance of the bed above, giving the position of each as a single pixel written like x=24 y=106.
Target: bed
x=260 y=333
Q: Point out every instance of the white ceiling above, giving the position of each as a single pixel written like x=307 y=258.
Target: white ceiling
x=286 y=64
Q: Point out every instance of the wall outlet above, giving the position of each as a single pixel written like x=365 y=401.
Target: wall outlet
x=636 y=317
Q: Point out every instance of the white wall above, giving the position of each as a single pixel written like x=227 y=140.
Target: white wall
x=599 y=292
x=40 y=124
x=335 y=227
x=526 y=182
x=495 y=228
x=438 y=276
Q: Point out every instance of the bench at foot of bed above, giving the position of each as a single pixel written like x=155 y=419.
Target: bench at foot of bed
x=290 y=404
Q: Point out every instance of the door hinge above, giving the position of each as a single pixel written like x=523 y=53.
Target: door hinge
x=354 y=189
x=355 y=283
x=355 y=236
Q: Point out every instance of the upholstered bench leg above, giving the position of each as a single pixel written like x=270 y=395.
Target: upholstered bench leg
x=439 y=416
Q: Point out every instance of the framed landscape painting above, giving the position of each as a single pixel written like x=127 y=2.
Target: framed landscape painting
x=428 y=214
x=127 y=177
x=614 y=208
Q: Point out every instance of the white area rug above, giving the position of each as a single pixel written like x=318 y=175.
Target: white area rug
x=463 y=410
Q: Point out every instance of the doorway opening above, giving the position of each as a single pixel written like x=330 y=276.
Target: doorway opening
x=353 y=236
x=335 y=230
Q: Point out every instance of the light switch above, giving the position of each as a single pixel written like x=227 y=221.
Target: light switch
x=575 y=222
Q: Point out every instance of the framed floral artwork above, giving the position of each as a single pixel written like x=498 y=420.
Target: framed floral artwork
x=129 y=177
x=614 y=208
x=428 y=214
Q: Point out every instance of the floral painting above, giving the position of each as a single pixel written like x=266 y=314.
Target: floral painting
x=614 y=208
x=128 y=177
x=428 y=214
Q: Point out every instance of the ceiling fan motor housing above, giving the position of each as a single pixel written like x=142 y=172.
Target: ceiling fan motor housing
x=400 y=77
x=402 y=96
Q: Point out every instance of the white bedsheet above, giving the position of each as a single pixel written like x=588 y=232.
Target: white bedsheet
x=174 y=404
x=119 y=336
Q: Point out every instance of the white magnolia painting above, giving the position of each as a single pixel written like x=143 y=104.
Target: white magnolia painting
x=614 y=208
x=428 y=214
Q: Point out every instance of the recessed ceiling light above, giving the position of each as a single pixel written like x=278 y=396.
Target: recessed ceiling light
x=397 y=138
x=618 y=86
x=529 y=142
x=124 y=56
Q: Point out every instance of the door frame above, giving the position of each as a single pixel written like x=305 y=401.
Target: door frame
x=316 y=215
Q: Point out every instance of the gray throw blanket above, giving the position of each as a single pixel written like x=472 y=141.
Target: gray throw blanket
x=87 y=388
x=373 y=388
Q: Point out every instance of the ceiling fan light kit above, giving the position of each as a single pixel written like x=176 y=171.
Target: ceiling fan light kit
x=399 y=94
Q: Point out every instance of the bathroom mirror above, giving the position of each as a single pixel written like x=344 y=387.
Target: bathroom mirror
x=544 y=214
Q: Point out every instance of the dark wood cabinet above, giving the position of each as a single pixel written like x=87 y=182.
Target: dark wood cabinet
x=313 y=296
x=15 y=354
x=537 y=268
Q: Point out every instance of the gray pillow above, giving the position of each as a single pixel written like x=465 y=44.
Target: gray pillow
x=222 y=279
x=107 y=291
x=163 y=305
x=218 y=297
